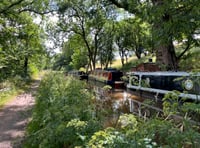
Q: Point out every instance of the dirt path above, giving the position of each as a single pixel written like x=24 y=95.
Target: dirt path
x=14 y=118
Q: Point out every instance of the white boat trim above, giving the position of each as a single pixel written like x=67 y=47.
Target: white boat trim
x=160 y=91
x=165 y=73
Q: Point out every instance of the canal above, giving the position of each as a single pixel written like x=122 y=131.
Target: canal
x=125 y=101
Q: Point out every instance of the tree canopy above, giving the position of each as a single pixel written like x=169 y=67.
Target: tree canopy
x=171 y=20
x=167 y=28
x=21 y=40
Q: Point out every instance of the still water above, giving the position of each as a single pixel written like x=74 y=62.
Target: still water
x=125 y=101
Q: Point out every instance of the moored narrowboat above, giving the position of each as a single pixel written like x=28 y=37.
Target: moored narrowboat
x=188 y=84
x=81 y=75
x=110 y=77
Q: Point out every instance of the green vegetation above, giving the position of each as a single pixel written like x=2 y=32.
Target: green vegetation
x=63 y=114
x=22 y=53
x=12 y=87
x=6 y=97
x=91 y=32
x=190 y=61
x=94 y=32
x=67 y=115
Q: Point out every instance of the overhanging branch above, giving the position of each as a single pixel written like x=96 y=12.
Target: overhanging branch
x=36 y=12
x=11 y=6
x=186 y=49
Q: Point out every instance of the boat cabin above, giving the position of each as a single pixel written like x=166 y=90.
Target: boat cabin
x=188 y=84
x=107 y=76
x=81 y=75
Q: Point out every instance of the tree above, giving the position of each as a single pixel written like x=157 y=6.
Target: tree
x=86 y=20
x=131 y=34
x=64 y=59
x=106 y=48
x=73 y=54
x=171 y=21
x=122 y=37
x=79 y=58
x=21 y=40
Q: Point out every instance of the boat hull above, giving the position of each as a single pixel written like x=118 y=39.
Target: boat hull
x=107 y=77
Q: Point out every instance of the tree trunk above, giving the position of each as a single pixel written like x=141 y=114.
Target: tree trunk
x=166 y=59
x=138 y=54
x=26 y=66
x=165 y=52
x=121 y=54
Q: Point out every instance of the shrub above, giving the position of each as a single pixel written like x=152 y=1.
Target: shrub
x=62 y=106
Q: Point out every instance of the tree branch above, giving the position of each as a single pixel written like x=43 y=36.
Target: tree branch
x=35 y=11
x=11 y=6
x=119 y=5
x=186 y=49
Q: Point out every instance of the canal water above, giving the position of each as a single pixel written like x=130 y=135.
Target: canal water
x=125 y=101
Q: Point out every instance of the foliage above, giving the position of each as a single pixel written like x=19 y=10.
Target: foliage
x=79 y=58
x=87 y=21
x=189 y=61
x=21 y=40
x=108 y=138
x=151 y=133
x=106 y=47
x=63 y=114
x=107 y=88
x=170 y=21
x=132 y=34
x=171 y=103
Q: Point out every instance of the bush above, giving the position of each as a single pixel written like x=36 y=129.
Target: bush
x=63 y=114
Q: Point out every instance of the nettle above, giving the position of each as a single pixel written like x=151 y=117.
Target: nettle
x=60 y=102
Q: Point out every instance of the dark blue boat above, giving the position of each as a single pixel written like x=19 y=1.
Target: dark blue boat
x=188 y=84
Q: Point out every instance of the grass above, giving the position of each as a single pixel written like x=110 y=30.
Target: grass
x=132 y=61
x=9 y=95
x=117 y=63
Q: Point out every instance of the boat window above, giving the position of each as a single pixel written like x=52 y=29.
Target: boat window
x=134 y=80
x=116 y=76
x=145 y=81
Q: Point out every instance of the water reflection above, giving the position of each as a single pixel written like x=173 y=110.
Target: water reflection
x=123 y=101
x=119 y=100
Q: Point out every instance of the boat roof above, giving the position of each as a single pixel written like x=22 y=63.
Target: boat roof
x=108 y=70
x=165 y=73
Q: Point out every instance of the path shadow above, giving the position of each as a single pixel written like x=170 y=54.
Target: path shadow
x=15 y=116
x=13 y=121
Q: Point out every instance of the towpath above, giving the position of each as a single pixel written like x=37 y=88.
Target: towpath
x=14 y=118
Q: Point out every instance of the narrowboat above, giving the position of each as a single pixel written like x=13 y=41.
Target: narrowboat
x=81 y=75
x=110 y=77
x=160 y=83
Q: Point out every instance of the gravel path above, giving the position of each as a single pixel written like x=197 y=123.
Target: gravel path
x=14 y=117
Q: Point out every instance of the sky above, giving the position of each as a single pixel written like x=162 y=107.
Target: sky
x=53 y=19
